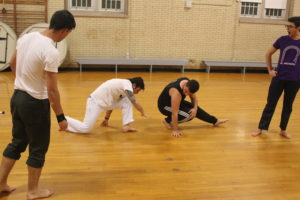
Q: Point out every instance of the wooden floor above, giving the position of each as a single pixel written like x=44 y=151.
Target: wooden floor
x=207 y=163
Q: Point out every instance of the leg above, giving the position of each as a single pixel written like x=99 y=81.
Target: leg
x=165 y=110
x=33 y=180
x=5 y=168
x=38 y=134
x=290 y=91
x=183 y=114
x=10 y=155
x=166 y=124
x=93 y=111
x=204 y=116
x=18 y=145
x=275 y=91
x=127 y=114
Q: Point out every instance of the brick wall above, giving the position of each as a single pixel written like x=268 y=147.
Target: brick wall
x=165 y=29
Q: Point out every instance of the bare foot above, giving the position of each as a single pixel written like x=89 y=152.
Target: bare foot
x=7 y=188
x=40 y=194
x=221 y=121
x=128 y=128
x=285 y=135
x=166 y=124
x=257 y=132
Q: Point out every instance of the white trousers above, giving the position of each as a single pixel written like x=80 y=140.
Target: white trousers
x=92 y=113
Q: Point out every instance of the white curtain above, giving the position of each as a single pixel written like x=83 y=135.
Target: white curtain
x=252 y=1
x=275 y=4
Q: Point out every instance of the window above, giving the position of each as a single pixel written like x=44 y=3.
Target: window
x=116 y=8
x=111 y=5
x=274 y=13
x=275 y=8
x=264 y=9
x=249 y=9
x=81 y=4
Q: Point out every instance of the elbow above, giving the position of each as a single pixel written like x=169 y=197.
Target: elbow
x=50 y=94
x=268 y=55
x=51 y=91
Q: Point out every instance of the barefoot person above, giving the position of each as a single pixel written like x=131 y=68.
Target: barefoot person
x=171 y=103
x=285 y=79
x=35 y=64
x=112 y=94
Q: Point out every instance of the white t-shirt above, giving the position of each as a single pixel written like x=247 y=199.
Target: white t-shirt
x=36 y=54
x=111 y=91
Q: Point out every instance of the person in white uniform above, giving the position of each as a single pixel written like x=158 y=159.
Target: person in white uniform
x=112 y=94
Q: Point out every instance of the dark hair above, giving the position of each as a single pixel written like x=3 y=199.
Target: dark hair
x=62 y=19
x=295 y=20
x=138 y=81
x=193 y=86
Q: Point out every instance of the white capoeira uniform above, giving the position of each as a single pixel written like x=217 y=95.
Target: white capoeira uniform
x=108 y=96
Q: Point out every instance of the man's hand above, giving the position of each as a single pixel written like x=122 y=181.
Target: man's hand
x=273 y=73
x=63 y=125
x=104 y=123
x=193 y=113
x=145 y=115
x=176 y=133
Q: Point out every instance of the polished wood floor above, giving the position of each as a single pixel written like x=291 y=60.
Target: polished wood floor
x=207 y=163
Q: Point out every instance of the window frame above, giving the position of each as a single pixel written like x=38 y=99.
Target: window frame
x=262 y=18
x=110 y=9
x=259 y=9
x=97 y=11
x=274 y=16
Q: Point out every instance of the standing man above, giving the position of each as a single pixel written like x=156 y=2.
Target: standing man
x=35 y=65
x=285 y=79
x=112 y=94
x=171 y=103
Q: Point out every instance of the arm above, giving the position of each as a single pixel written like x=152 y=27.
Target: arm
x=268 y=57
x=194 y=101
x=106 y=118
x=132 y=99
x=13 y=62
x=54 y=98
x=175 y=102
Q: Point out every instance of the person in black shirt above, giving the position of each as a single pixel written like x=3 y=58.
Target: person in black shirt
x=171 y=103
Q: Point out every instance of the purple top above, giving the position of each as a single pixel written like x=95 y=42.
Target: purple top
x=289 y=63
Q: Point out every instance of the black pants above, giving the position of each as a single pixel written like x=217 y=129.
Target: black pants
x=276 y=88
x=183 y=114
x=31 y=126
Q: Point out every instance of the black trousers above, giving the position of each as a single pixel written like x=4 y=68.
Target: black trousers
x=290 y=89
x=183 y=114
x=31 y=126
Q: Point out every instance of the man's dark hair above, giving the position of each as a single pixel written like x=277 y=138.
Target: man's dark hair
x=193 y=86
x=138 y=81
x=295 y=20
x=62 y=19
